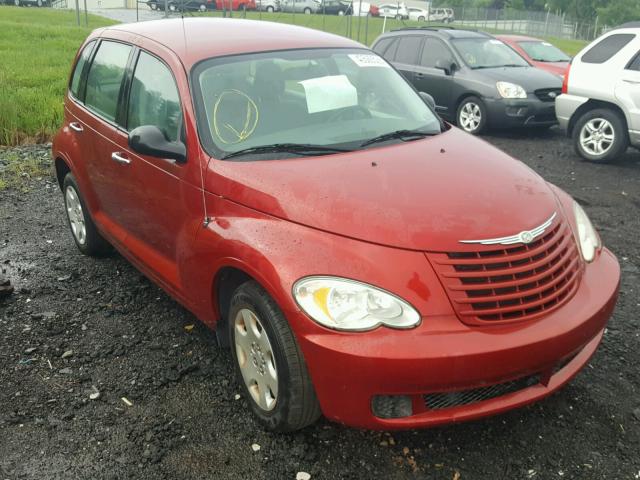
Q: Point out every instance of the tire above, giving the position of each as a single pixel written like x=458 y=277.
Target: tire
x=471 y=115
x=17 y=3
x=270 y=9
x=307 y=11
x=608 y=131
x=90 y=243
x=398 y=17
x=340 y=13
x=294 y=404
x=202 y=8
x=153 y=6
x=173 y=7
x=39 y=3
x=421 y=19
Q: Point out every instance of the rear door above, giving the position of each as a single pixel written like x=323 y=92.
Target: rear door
x=103 y=92
x=433 y=80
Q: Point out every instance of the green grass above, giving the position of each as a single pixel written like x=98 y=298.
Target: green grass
x=37 y=47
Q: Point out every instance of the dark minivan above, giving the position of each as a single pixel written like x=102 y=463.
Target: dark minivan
x=476 y=80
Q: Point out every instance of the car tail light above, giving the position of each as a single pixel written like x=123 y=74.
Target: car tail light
x=565 y=80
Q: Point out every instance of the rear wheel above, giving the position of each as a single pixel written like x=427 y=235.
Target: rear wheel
x=270 y=9
x=153 y=6
x=421 y=19
x=269 y=364
x=173 y=7
x=472 y=115
x=202 y=8
x=17 y=3
x=398 y=17
x=307 y=11
x=340 y=13
x=84 y=231
x=600 y=135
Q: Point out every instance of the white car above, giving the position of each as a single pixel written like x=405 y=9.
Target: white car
x=394 y=10
x=360 y=9
x=444 y=15
x=600 y=102
x=418 y=14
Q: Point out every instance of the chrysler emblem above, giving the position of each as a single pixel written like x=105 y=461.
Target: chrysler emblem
x=525 y=237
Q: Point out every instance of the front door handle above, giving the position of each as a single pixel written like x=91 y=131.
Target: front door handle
x=120 y=158
x=75 y=126
x=633 y=82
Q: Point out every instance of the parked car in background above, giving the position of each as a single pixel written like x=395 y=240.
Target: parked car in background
x=475 y=79
x=418 y=14
x=33 y=3
x=235 y=5
x=538 y=53
x=335 y=7
x=600 y=102
x=432 y=279
x=394 y=10
x=268 y=5
x=444 y=15
x=182 y=5
x=300 y=6
x=363 y=9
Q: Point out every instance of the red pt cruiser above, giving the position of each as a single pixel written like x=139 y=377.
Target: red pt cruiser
x=362 y=258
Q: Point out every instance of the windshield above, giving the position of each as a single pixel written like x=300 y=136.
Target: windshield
x=487 y=53
x=338 y=98
x=543 y=52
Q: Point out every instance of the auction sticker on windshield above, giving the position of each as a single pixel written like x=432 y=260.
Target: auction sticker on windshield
x=363 y=60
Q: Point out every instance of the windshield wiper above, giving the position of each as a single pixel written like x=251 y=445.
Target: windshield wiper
x=401 y=134
x=301 y=148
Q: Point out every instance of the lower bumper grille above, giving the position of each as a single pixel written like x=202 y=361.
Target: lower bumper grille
x=439 y=401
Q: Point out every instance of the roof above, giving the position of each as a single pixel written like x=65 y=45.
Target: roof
x=197 y=38
x=518 y=38
x=449 y=32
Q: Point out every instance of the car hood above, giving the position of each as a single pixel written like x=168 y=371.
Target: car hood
x=424 y=194
x=529 y=78
x=557 y=68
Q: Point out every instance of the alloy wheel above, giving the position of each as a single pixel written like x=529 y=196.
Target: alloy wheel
x=203 y=8
x=470 y=117
x=597 y=136
x=256 y=359
x=76 y=215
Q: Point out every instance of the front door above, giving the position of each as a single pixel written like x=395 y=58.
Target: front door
x=430 y=78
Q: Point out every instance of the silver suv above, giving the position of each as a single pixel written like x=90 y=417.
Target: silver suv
x=600 y=102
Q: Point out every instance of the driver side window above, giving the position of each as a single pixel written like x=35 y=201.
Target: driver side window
x=154 y=98
x=433 y=51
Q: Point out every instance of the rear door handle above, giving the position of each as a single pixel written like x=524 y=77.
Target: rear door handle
x=120 y=158
x=75 y=126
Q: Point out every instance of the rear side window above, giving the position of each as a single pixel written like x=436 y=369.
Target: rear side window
x=105 y=78
x=390 y=54
x=382 y=45
x=80 y=67
x=154 y=98
x=634 y=64
x=607 y=48
x=408 y=50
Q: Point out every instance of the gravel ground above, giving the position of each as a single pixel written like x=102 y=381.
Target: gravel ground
x=79 y=336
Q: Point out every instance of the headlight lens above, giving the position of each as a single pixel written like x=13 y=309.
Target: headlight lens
x=587 y=236
x=344 y=304
x=510 y=90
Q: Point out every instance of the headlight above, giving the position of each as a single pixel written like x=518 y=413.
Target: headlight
x=587 y=236
x=344 y=304
x=510 y=90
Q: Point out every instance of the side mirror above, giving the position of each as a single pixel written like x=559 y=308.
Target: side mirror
x=150 y=140
x=447 y=66
x=428 y=99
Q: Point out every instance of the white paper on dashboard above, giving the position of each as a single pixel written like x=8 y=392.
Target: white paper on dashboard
x=329 y=93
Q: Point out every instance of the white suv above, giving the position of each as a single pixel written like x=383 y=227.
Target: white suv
x=600 y=102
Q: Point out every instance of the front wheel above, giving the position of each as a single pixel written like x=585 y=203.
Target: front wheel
x=421 y=19
x=600 y=135
x=268 y=362
x=202 y=8
x=270 y=9
x=17 y=3
x=307 y=11
x=472 y=115
x=173 y=7
x=153 y=6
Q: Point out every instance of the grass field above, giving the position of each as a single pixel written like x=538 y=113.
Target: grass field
x=38 y=45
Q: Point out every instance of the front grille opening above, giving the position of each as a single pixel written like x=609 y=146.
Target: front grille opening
x=440 y=401
x=520 y=282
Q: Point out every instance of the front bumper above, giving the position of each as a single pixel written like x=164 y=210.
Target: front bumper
x=443 y=355
x=525 y=112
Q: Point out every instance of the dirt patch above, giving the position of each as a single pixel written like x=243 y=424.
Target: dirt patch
x=100 y=379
